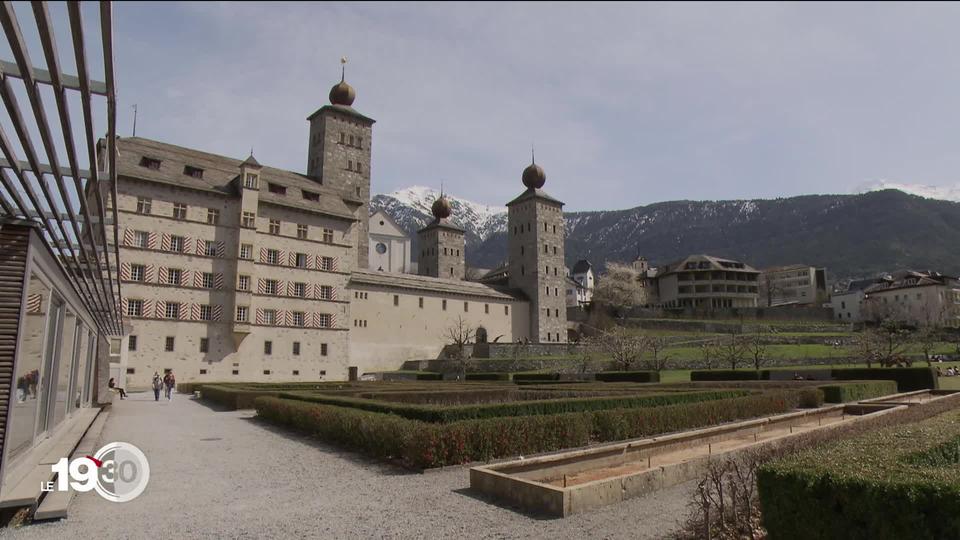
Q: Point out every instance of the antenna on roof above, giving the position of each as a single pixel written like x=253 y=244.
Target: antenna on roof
x=343 y=68
x=533 y=157
x=134 y=119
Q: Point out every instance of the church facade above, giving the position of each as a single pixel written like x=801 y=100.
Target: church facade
x=236 y=271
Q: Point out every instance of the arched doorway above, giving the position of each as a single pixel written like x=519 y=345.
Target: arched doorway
x=481 y=335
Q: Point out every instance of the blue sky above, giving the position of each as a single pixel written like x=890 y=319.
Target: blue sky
x=627 y=104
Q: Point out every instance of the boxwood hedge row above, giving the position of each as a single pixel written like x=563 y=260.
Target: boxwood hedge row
x=907 y=379
x=856 y=391
x=628 y=376
x=422 y=445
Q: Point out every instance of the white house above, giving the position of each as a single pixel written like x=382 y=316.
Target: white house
x=389 y=245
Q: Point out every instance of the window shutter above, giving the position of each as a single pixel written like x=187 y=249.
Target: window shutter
x=217 y=312
x=184 y=277
x=128 y=237
x=333 y=293
x=185 y=248
x=221 y=249
x=197 y=278
x=263 y=255
x=261 y=286
x=336 y=264
x=195 y=312
x=161 y=309
x=124 y=270
x=308 y=290
x=259 y=315
x=281 y=287
x=165 y=242
x=218 y=280
x=199 y=249
x=162 y=274
x=123 y=306
x=148 y=273
x=291 y=259
x=281 y=256
x=147 y=308
x=152 y=240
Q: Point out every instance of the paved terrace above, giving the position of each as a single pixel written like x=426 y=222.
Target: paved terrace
x=217 y=474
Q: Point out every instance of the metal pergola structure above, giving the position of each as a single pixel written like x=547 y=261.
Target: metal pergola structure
x=67 y=203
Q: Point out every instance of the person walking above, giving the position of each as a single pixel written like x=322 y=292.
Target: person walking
x=170 y=382
x=157 y=385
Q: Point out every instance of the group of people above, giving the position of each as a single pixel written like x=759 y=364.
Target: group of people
x=950 y=372
x=167 y=383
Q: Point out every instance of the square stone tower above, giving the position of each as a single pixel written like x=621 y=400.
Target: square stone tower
x=339 y=155
x=442 y=245
x=535 y=231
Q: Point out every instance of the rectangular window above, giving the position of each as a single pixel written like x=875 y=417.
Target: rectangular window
x=168 y=346
x=302 y=232
x=300 y=289
x=296 y=372
x=310 y=196
x=298 y=318
x=270 y=286
x=131 y=371
x=210 y=248
x=173 y=276
x=176 y=243
x=248 y=220
x=326 y=263
x=203 y=372
x=204 y=344
x=444 y=305
x=267 y=347
x=273 y=256
x=135 y=308
x=207 y=280
x=172 y=310
x=270 y=316
x=179 y=211
x=193 y=171
x=360 y=143
x=250 y=181
x=274 y=226
x=396 y=299
x=132 y=343
x=246 y=251
x=243 y=283
x=150 y=163
x=486 y=309
x=328 y=236
x=235 y=372
x=213 y=216
x=506 y=310
x=143 y=205
x=323 y=349
x=241 y=313
x=206 y=312
x=323 y=320
x=326 y=292
x=301 y=260
x=466 y=307
x=136 y=272
x=421 y=302
x=276 y=188
x=141 y=239
x=296 y=348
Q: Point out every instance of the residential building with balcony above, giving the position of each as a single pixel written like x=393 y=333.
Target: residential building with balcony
x=707 y=282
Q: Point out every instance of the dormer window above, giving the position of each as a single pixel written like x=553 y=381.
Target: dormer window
x=310 y=196
x=277 y=188
x=250 y=181
x=193 y=171
x=150 y=163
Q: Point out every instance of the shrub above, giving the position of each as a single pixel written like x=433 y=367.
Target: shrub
x=446 y=414
x=726 y=375
x=844 y=392
x=233 y=398
x=536 y=376
x=908 y=379
x=427 y=376
x=874 y=486
x=632 y=376
x=810 y=398
x=488 y=376
x=422 y=445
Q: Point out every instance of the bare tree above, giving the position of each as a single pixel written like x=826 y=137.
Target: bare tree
x=619 y=288
x=709 y=351
x=732 y=349
x=459 y=334
x=887 y=345
x=757 y=349
x=656 y=346
x=624 y=347
x=926 y=340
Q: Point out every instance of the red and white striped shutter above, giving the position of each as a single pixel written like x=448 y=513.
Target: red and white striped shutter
x=199 y=249
x=259 y=315
x=308 y=290
x=291 y=259
x=333 y=320
x=197 y=278
x=281 y=287
x=123 y=306
x=263 y=255
x=218 y=280
x=184 y=277
x=124 y=270
x=333 y=293
x=147 y=309
x=161 y=309
x=34 y=302
x=128 y=237
x=165 y=242
x=162 y=274
x=194 y=312
x=281 y=256
x=283 y=317
x=152 y=240
x=217 y=312
x=221 y=249
x=317 y=260
x=336 y=264
x=261 y=285
x=185 y=248
x=148 y=273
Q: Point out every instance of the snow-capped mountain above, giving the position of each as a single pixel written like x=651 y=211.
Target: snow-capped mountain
x=851 y=235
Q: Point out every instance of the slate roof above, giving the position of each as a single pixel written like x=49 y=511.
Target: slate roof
x=534 y=194
x=444 y=223
x=581 y=267
x=712 y=263
x=908 y=279
x=432 y=284
x=220 y=174
x=345 y=110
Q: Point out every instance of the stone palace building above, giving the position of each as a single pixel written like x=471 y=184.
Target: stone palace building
x=236 y=271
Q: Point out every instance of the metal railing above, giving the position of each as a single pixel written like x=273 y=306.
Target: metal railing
x=66 y=203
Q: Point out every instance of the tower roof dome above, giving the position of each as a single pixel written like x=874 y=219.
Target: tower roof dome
x=533 y=176
x=342 y=94
x=441 y=208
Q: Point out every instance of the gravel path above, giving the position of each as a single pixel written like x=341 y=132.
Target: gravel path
x=255 y=481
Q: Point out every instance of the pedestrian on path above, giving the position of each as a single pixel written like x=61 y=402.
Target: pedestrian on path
x=157 y=385
x=170 y=382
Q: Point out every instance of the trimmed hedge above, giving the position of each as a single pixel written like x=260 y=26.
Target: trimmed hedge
x=894 y=483
x=856 y=391
x=233 y=398
x=810 y=398
x=488 y=376
x=536 y=376
x=427 y=376
x=908 y=379
x=454 y=413
x=424 y=445
x=726 y=375
x=631 y=376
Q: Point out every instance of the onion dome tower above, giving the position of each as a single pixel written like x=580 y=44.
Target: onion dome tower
x=441 y=244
